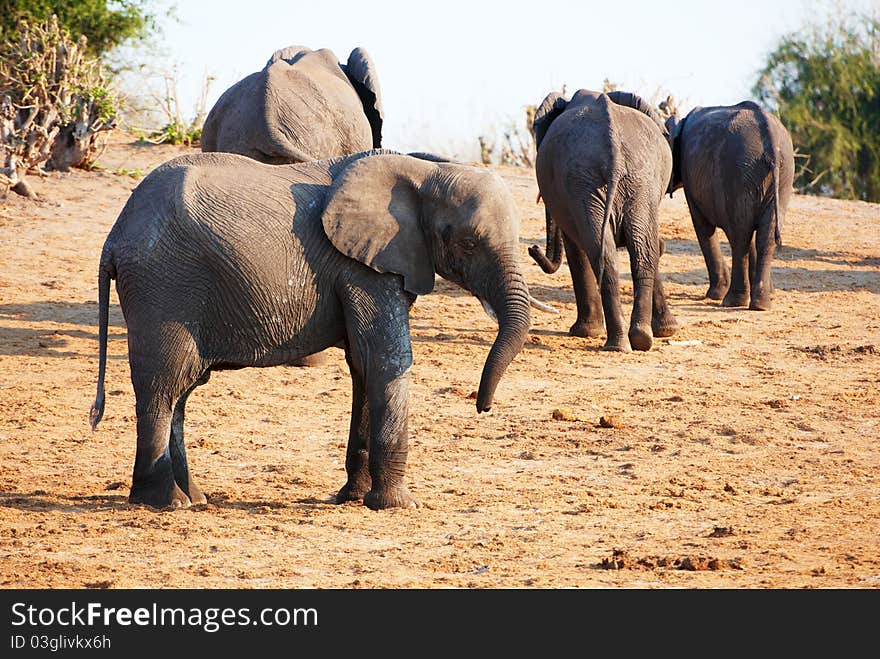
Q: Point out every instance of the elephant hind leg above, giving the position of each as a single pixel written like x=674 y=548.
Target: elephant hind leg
x=164 y=367
x=762 y=251
x=179 y=465
x=357 y=457
x=153 y=481
x=739 y=292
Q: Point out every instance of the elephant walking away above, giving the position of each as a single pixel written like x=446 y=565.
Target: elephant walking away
x=603 y=163
x=736 y=165
x=223 y=262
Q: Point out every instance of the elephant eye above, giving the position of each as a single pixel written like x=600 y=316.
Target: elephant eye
x=468 y=244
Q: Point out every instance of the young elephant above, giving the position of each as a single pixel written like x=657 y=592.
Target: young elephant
x=603 y=164
x=223 y=262
x=303 y=105
x=736 y=164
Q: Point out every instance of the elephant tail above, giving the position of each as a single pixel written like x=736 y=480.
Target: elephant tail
x=772 y=156
x=610 y=192
x=777 y=230
x=550 y=260
x=105 y=274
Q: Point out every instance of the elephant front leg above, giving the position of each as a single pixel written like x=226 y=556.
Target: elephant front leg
x=357 y=455
x=389 y=432
x=586 y=293
x=663 y=322
x=707 y=236
x=377 y=327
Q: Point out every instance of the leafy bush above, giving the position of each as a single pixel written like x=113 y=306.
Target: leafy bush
x=56 y=101
x=824 y=83
x=105 y=23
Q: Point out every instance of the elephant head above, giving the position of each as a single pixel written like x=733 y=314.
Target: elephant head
x=415 y=218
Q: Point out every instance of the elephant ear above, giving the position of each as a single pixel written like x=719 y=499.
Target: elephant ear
x=631 y=100
x=551 y=107
x=372 y=215
x=361 y=72
x=290 y=54
x=675 y=128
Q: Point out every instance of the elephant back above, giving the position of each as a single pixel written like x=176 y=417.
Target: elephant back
x=290 y=54
x=312 y=107
x=301 y=106
x=636 y=102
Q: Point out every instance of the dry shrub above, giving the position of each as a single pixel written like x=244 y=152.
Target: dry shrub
x=56 y=101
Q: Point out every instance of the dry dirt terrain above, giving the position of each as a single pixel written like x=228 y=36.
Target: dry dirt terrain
x=745 y=451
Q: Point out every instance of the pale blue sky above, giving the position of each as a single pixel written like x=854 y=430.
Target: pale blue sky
x=470 y=67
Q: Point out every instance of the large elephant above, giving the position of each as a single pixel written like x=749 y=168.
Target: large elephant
x=222 y=262
x=303 y=105
x=736 y=165
x=603 y=163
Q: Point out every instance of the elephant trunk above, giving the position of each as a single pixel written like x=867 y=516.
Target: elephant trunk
x=509 y=299
x=552 y=257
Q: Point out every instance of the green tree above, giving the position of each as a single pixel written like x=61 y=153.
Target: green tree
x=824 y=83
x=105 y=23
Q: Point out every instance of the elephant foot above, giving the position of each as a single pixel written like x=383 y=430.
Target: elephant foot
x=617 y=344
x=640 y=339
x=665 y=326
x=587 y=329
x=733 y=299
x=163 y=498
x=396 y=497
x=196 y=496
x=318 y=359
x=762 y=296
x=717 y=292
x=353 y=490
x=761 y=304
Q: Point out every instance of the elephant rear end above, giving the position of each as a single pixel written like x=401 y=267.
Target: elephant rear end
x=737 y=169
x=734 y=160
x=189 y=270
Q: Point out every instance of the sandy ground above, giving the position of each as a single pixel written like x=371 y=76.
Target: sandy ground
x=746 y=457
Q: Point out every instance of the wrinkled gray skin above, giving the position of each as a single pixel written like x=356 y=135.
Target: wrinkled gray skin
x=603 y=164
x=222 y=262
x=304 y=105
x=736 y=165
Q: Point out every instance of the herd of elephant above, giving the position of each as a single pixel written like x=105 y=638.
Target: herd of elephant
x=294 y=232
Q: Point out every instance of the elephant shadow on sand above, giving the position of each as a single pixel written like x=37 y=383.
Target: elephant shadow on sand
x=786 y=277
x=44 y=501
x=789 y=277
x=48 y=342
